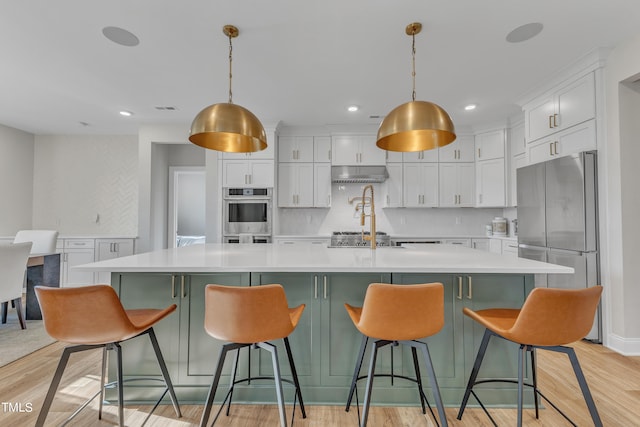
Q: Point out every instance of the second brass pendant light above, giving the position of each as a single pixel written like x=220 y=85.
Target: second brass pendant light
x=415 y=125
x=228 y=127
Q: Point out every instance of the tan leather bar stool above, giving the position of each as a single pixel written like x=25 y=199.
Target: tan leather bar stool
x=250 y=317
x=549 y=319
x=399 y=314
x=92 y=317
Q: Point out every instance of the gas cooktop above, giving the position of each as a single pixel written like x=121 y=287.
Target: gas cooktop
x=353 y=239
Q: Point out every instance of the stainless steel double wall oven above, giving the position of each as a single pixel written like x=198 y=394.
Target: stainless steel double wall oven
x=247 y=215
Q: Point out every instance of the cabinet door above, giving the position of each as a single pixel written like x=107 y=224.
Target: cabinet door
x=393 y=186
x=295 y=149
x=287 y=185
x=345 y=150
x=261 y=173
x=448 y=181
x=446 y=347
x=490 y=145
x=322 y=149
x=305 y=185
x=72 y=258
x=466 y=184
x=322 y=185
x=412 y=185
x=480 y=244
x=199 y=351
x=394 y=157
x=370 y=154
x=460 y=150
x=539 y=118
x=426 y=156
x=481 y=291
x=235 y=173
x=576 y=102
x=490 y=183
x=578 y=138
x=517 y=141
x=109 y=249
x=340 y=338
x=299 y=289
x=150 y=290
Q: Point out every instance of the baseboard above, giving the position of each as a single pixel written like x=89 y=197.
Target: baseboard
x=624 y=346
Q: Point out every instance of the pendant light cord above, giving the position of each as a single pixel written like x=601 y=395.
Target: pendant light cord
x=230 y=61
x=413 y=69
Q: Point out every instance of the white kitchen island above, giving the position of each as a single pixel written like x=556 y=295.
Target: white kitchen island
x=325 y=343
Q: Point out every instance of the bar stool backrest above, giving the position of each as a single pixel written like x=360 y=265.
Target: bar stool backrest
x=552 y=317
x=85 y=315
x=44 y=241
x=402 y=312
x=247 y=315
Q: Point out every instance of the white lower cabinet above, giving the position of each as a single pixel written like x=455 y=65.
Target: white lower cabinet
x=480 y=244
x=77 y=252
x=109 y=249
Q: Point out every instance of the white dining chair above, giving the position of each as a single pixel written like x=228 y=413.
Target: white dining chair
x=13 y=265
x=44 y=241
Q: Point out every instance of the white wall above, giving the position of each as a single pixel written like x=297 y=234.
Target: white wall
x=86 y=184
x=622 y=227
x=16 y=180
x=435 y=222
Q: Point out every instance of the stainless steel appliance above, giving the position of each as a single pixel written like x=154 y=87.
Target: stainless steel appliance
x=558 y=221
x=353 y=239
x=247 y=212
x=416 y=241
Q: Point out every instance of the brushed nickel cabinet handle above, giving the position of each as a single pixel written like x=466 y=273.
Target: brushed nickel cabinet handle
x=555 y=147
x=478 y=153
x=315 y=286
x=324 y=284
x=555 y=120
x=459 y=287
x=551 y=148
x=182 y=294
x=173 y=286
x=470 y=294
x=550 y=123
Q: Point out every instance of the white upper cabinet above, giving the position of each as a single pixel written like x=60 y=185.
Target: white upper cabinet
x=426 y=156
x=267 y=153
x=356 y=150
x=567 y=106
x=460 y=150
x=457 y=184
x=295 y=149
x=517 y=141
x=392 y=187
x=394 y=156
x=574 y=140
x=490 y=145
x=295 y=185
x=490 y=183
x=322 y=149
x=322 y=185
x=420 y=185
x=248 y=173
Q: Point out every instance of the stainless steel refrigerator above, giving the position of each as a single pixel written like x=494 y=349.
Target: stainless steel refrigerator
x=558 y=221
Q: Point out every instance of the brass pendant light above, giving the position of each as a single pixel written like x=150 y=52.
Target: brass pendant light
x=228 y=127
x=416 y=125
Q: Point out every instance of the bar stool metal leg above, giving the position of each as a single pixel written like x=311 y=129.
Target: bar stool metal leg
x=294 y=373
x=370 y=376
x=474 y=372
x=232 y=382
x=103 y=375
x=216 y=379
x=416 y=367
x=433 y=381
x=165 y=371
x=356 y=372
x=118 y=350
x=276 y=373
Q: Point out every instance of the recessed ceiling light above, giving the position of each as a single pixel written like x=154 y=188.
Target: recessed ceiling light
x=126 y=113
x=121 y=36
x=524 y=32
x=470 y=107
x=353 y=108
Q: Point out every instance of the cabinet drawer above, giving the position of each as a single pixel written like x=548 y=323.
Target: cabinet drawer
x=78 y=243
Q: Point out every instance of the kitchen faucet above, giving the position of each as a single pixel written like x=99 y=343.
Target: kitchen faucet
x=372 y=217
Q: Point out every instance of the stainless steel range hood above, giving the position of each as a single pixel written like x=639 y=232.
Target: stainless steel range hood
x=359 y=174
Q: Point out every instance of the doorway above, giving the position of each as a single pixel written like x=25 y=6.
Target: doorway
x=186 y=219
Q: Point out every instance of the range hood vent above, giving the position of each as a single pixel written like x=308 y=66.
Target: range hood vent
x=359 y=174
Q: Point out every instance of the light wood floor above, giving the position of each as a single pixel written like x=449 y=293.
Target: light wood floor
x=614 y=381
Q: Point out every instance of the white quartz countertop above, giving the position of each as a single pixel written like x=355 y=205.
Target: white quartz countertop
x=285 y=258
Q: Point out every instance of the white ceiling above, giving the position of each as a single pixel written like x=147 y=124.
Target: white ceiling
x=295 y=61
